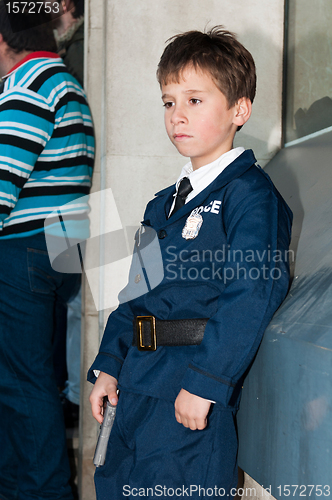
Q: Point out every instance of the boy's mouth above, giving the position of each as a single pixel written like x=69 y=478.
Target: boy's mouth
x=181 y=137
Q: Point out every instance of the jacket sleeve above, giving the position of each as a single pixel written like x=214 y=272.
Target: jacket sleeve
x=256 y=278
x=118 y=334
x=117 y=338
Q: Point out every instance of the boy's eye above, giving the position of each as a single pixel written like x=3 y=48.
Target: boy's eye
x=168 y=104
x=195 y=100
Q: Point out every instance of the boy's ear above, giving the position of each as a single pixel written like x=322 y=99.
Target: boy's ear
x=242 y=111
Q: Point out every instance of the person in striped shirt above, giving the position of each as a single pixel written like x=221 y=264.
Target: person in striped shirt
x=46 y=161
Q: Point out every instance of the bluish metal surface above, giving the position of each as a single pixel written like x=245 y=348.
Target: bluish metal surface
x=285 y=418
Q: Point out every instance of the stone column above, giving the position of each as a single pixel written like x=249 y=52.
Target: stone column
x=95 y=83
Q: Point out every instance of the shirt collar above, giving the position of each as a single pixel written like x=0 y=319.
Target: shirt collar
x=34 y=55
x=203 y=176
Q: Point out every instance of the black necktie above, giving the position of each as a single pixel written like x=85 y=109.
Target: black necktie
x=183 y=190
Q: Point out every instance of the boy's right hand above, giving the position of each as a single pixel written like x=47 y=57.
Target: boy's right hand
x=105 y=385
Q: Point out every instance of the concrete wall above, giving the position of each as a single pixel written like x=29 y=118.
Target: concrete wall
x=124 y=41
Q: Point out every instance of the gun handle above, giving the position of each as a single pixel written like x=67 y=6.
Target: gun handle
x=105 y=431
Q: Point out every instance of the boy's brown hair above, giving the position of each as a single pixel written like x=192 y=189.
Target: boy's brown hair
x=217 y=52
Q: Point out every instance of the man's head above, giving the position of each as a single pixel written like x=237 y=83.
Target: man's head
x=67 y=14
x=217 y=53
x=78 y=9
x=36 y=33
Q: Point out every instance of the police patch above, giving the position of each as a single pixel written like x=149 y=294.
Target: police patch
x=192 y=226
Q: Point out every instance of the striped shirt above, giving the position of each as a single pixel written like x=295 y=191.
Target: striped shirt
x=46 y=144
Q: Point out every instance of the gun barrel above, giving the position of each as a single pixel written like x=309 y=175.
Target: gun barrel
x=105 y=431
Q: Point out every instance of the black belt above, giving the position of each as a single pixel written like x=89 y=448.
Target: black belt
x=149 y=332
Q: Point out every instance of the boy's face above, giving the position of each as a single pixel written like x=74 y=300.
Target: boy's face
x=197 y=118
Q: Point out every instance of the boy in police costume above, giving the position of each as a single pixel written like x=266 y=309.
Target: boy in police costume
x=224 y=231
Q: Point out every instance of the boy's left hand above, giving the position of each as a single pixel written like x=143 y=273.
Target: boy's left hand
x=191 y=410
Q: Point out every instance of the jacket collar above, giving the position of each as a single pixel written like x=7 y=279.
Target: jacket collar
x=231 y=172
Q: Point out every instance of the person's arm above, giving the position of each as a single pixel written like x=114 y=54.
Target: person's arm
x=117 y=339
x=26 y=124
x=258 y=230
x=119 y=331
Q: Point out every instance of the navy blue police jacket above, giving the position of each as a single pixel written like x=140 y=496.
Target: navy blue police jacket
x=234 y=272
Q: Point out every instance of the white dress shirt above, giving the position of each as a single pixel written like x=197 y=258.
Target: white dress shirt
x=203 y=176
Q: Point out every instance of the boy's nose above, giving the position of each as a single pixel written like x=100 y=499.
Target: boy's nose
x=178 y=115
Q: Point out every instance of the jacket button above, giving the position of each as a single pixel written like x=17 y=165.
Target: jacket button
x=162 y=234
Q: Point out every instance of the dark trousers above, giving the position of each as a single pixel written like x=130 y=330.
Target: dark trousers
x=148 y=448
x=33 y=459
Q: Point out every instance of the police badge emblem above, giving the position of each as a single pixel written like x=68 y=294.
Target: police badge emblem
x=192 y=226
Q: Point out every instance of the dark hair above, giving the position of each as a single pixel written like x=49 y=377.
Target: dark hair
x=25 y=31
x=75 y=6
x=218 y=52
x=78 y=10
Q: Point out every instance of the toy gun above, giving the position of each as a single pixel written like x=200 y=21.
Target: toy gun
x=105 y=431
